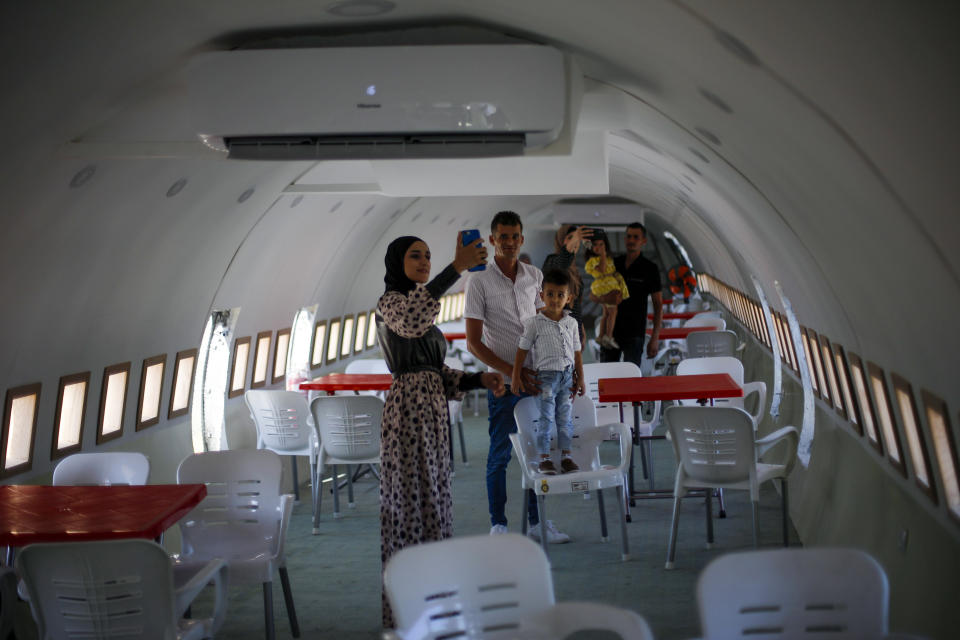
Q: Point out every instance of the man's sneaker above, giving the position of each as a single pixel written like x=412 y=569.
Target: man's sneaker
x=553 y=536
x=498 y=529
x=547 y=467
x=567 y=465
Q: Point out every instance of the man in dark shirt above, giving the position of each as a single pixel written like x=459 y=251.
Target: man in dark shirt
x=643 y=278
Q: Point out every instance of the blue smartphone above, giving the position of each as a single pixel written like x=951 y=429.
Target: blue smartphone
x=469 y=237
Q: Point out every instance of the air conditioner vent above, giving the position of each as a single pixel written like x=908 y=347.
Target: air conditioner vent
x=306 y=147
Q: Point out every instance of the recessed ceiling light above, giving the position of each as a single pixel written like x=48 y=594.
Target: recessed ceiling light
x=692 y=168
x=715 y=100
x=336 y=206
x=176 y=187
x=699 y=155
x=435 y=218
x=417 y=216
x=708 y=135
x=736 y=46
x=83 y=176
x=296 y=201
x=360 y=8
x=369 y=209
x=246 y=195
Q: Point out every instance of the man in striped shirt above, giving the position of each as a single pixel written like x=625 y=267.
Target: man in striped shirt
x=498 y=301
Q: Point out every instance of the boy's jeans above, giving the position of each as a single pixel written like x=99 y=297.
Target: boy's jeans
x=556 y=408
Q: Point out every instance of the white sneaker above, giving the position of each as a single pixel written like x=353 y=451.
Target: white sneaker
x=498 y=529
x=553 y=535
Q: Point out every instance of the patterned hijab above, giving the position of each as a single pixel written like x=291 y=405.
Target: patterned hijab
x=395 y=277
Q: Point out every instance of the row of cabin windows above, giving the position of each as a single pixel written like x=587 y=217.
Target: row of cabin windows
x=859 y=393
x=335 y=339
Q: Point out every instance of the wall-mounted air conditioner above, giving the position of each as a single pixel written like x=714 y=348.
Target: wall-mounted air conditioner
x=444 y=101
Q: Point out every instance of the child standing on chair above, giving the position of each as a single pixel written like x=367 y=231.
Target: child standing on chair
x=554 y=337
x=606 y=279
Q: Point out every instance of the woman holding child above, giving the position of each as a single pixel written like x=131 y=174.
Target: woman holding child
x=415 y=500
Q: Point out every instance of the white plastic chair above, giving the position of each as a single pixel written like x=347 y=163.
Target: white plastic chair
x=734 y=368
x=707 y=344
x=585 y=451
x=116 y=589
x=707 y=320
x=102 y=468
x=349 y=434
x=794 y=593
x=455 y=407
x=366 y=365
x=285 y=426
x=566 y=618
x=467 y=587
x=716 y=449
x=244 y=520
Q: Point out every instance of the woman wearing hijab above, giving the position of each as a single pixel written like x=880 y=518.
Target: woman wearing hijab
x=415 y=501
x=564 y=257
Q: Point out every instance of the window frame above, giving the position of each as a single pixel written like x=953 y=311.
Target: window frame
x=23 y=391
x=901 y=384
x=854 y=417
x=874 y=370
x=357 y=333
x=231 y=392
x=339 y=322
x=152 y=361
x=274 y=378
x=867 y=412
x=261 y=335
x=122 y=367
x=811 y=365
x=372 y=329
x=932 y=401
x=182 y=355
x=65 y=381
x=830 y=373
x=323 y=344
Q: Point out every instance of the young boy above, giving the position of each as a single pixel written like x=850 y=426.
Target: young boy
x=554 y=336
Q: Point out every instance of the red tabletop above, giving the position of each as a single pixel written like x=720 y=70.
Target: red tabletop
x=692 y=387
x=681 y=315
x=455 y=335
x=676 y=333
x=349 y=382
x=43 y=513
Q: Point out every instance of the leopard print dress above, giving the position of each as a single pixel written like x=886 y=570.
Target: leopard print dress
x=416 y=504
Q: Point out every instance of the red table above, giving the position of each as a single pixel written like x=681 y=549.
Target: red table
x=333 y=382
x=681 y=315
x=44 y=513
x=678 y=333
x=700 y=387
x=455 y=335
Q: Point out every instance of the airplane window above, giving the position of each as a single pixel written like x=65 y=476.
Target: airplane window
x=846 y=385
x=463 y=301
x=765 y=332
x=807 y=351
x=238 y=368
x=334 y=344
x=372 y=329
x=863 y=397
x=113 y=401
x=19 y=427
x=944 y=447
x=440 y=314
x=807 y=381
x=319 y=337
x=260 y=359
x=299 y=354
x=793 y=346
x=151 y=387
x=347 y=341
x=916 y=445
x=888 y=430
x=71 y=407
x=182 y=383
x=361 y=332
x=818 y=365
x=280 y=355
x=781 y=338
x=831 y=375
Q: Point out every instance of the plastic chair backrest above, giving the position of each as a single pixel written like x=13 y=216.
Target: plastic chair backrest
x=116 y=588
x=282 y=419
x=717 y=364
x=527 y=416
x=706 y=344
x=609 y=411
x=713 y=444
x=241 y=510
x=349 y=425
x=478 y=585
x=565 y=618
x=794 y=593
x=368 y=365
x=102 y=468
x=706 y=321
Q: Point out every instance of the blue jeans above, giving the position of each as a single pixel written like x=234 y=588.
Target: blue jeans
x=556 y=407
x=502 y=425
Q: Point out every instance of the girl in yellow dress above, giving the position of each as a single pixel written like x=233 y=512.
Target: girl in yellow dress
x=606 y=279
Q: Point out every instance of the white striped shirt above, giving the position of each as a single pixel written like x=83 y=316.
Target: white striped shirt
x=553 y=341
x=503 y=304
